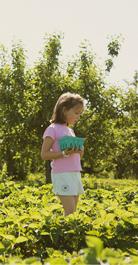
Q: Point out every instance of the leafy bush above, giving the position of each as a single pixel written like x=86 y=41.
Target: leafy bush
x=104 y=227
x=27 y=98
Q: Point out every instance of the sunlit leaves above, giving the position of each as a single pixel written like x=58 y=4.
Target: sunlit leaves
x=32 y=222
x=28 y=96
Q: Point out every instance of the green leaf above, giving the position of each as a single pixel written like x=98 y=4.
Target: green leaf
x=1 y=246
x=94 y=233
x=35 y=215
x=33 y=260
x=8 y=237
x=21 y=239
x=134 y=221
x=43 y=233
x=33 y=225
x=95 y=243
x=57 y=261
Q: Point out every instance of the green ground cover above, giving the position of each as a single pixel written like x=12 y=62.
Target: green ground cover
x=104 y=230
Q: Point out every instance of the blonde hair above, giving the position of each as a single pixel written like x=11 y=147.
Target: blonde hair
x=66 y=101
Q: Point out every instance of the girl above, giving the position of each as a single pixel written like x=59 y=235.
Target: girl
x=66 y=165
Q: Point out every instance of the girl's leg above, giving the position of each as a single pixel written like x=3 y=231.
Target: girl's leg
x=76 y=198
x=69 y=204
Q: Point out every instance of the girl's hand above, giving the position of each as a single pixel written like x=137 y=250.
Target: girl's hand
x=74 y=151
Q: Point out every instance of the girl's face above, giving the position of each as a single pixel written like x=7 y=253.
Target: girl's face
x=72 y=115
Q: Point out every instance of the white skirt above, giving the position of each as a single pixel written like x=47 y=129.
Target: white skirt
x=67 y=183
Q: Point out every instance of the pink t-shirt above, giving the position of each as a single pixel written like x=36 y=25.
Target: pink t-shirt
x=65 y=164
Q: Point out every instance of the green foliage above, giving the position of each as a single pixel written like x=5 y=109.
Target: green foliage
x=33 y=229
x=113 y=50
x=27 y=99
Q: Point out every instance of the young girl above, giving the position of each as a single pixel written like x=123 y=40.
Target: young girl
x=66 y=165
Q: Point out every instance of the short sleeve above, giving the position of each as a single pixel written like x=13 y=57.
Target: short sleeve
x=72 y=131
x=50 y=131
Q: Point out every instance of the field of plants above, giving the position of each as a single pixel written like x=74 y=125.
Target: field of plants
x=104 y=230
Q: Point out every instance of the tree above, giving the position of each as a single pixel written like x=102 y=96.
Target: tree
x=27 y=99
x=113 y=50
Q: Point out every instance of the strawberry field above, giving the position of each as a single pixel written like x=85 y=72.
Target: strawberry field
x=104 y=230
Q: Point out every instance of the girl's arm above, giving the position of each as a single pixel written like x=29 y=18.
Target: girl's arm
x=82 y=153
x=46 y=154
